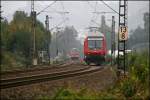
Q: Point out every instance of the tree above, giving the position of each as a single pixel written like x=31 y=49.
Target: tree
x=4 y=34
x=140 y=35
x=64 y=41
x=18 y=39
x=146 y=26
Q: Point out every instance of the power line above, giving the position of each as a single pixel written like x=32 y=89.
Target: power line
x=95 y=22
x=94 y=17
x=54 y=10
x=58 y=24
x=95 y=6
x=102 y=12
x=96 y=10
x=60 y=12
x=90 y=5
x=46 y=7
x=109 y=6
x=63 y=14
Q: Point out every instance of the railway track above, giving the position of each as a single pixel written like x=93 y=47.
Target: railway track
x=30 y=69
x=45 y=69
x=14 y=82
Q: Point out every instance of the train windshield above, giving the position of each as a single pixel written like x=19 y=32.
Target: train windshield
x=95 y=43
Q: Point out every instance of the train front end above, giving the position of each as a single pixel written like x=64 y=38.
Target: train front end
x=95 y=49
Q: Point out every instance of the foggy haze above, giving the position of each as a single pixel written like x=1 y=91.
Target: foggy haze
x=80 y=12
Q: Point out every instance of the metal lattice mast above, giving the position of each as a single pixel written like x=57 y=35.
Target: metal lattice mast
x=121 y=43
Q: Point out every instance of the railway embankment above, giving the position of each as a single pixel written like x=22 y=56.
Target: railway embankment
x=94 y=81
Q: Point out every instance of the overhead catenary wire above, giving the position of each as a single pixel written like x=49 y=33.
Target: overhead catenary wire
x=104 y=4
x=46 y=7
x=55 y=11
x=90 y=5
x=58 y=24
x=94 y=17
x=63 y=14
x=109 y=6
x=96 y=10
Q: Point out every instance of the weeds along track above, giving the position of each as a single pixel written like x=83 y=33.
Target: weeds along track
x=32 y=71
x=8 y=83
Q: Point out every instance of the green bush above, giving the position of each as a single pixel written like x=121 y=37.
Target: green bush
x=128 y=88
x=139 y=67
x=11 y=61
x=69 y=94
x=63 y=94
x=106 y=96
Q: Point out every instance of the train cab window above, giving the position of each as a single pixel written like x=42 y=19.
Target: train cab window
x=98 y=44
x=94 y=43
x=91 y=44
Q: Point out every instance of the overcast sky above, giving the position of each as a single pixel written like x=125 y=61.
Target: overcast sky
x=80 y=12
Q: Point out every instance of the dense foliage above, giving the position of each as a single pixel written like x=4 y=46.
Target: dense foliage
x=16 y=40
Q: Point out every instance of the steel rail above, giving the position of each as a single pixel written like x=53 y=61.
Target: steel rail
x=61 y=65
x=18 y=80
x=45 y=77
x=37 y=75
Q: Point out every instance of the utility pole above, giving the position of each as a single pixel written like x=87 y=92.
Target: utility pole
x=56 y=41
x=57 y=32
x=0 y=21
x=56 y=44
x=114 y=34
x=33 y=16
x=48 y=39
x=0 y=12
x=113 y=40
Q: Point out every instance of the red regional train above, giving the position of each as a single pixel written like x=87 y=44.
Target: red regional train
x=95 y=48
x=74 y=54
